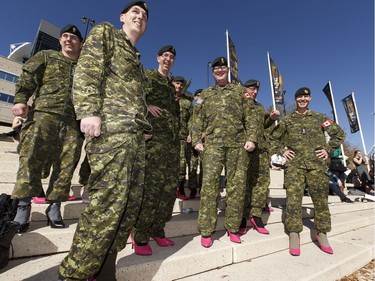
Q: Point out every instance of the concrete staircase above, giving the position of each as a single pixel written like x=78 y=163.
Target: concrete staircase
x=37 y=253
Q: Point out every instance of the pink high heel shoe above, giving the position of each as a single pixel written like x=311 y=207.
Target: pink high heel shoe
x=163 y=241
x=206 y=241
x=39 y=200
x=259 y=227
x=141 y=250
x=326 y=249
x=294 y=251
x=234 y=237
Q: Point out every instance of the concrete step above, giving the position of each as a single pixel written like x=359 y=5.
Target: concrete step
x=181 y=224
x=352 y=250
x=351 y=238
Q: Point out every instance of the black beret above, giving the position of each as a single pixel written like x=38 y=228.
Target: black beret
x=179 y=79
x=252 y=83
x=303 y=91
x=197 y=92
x=70 y=28
x=168 y=48
x=219 y=61
x=141 y=4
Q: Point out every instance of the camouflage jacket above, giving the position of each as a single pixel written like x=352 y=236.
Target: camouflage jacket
x=108 y=83
x=161 y=92
x=222 y=116
x=48 y=76
x=186 y=112
x=304 y=134
x=261 y=122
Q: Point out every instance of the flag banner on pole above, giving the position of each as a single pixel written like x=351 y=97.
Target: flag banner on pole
x=233 y=61
x=351 y=113
x=328 y=93
x=277 y=83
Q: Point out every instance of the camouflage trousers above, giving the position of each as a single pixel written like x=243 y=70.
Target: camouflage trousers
x=236 y=161
x=195 y=179
x=161 y=180
x=116 y=186
x=46 y=139
x=258 y=181
x=185 y=156
x=317 y=180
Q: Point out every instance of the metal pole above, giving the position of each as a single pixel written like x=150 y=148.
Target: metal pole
x=208 y=73
x=88 y=22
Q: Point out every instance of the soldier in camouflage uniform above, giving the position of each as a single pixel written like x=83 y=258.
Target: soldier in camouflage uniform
x=258 y=172
x=109 y=101
x=186 y=111
x=162 y=156
x=223 y=119
x=51 y=132
x=300 y=138
x=195 y=180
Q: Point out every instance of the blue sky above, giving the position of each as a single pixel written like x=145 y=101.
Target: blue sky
x=310 y=41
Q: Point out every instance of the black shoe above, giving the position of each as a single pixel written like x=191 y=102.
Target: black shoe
x=55 y=209
x=347 y=200
x=22 y=227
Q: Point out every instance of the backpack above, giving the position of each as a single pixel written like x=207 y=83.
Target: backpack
x=8 y=210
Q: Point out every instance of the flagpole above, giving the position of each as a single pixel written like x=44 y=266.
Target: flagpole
x=336 y=119
x=359 y=125
x=229 y=66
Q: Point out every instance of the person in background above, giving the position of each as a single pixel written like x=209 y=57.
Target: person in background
x=162 y=156
x=335 y=186
x=300 y=138
x=109 y=100
x=222 y=117
x=361 y=163
x=186 y=111
x=195 y=182
x=258 y=178
x=51 y=132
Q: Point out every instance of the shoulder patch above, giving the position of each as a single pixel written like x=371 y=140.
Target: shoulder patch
x=199 y=101
x=327 y=123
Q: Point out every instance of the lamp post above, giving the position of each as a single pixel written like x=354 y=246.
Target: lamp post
x=88 y=22
x=208 y=73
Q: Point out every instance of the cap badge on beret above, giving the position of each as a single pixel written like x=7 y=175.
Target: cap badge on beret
x=303 y=91
x=71 y=29
x=168 y=48
x=219 y=61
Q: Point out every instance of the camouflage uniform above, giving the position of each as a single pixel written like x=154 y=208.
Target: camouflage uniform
x=223 y=119
x=195 y=180
x=51 y=130
x=186 y=111
x=108 y=83
x=258 y=172
x=162 y=159
x=304 y=134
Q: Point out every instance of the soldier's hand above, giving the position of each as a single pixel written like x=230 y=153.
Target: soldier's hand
x=188 y=139
x=90 y=126
x=20 y=109
x=289 y=154
x=275 y=114
x=321 y=153
x=198 y=147
x=148 y=137
x=154 y=110
x=249 y=146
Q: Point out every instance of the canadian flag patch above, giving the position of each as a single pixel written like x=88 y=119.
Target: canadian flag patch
x=246 y=95
x=327 y=123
